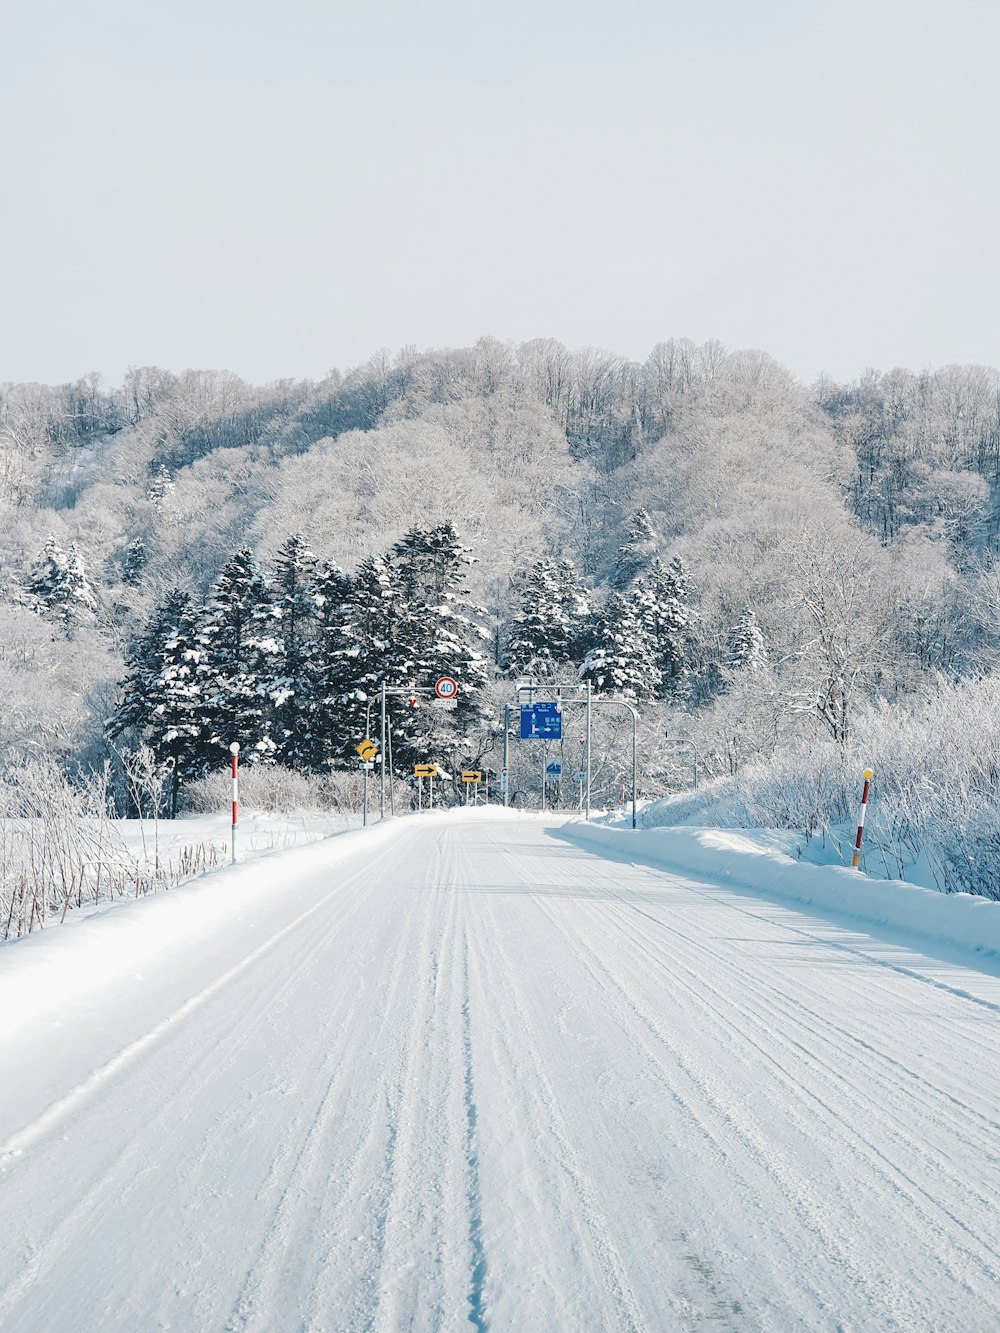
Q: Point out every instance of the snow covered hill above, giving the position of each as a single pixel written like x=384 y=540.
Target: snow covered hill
x=469 y=1069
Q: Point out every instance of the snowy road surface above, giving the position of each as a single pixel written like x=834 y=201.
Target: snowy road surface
x=474 y=1075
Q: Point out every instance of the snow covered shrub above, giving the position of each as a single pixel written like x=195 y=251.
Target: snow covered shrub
x=275 y=789
x=936 y=796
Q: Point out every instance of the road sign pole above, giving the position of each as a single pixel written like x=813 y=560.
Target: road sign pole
x=635 y=725
x=392 y=792
x=562 y=751
x=430 y=799
x=381 y=811
x=545 y=760
x=589 y=692
x=420 y=794
x=506 y=754
x=364 y=815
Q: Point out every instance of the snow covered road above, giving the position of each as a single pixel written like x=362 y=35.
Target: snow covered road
x=473 y=1074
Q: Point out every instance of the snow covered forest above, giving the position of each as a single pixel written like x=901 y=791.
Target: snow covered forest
x=792 y=582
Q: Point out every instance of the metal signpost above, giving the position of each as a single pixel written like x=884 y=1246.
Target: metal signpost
x=445 y=688
x=542 y=720
x=634 y=714
x=421 y=771
x=367 y=749
x=472 y=777
x=550 y=769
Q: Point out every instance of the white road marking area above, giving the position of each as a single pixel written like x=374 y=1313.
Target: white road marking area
x=492 y=1080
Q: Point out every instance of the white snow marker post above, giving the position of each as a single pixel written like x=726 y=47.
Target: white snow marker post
x=855 y=859
x=234 y=750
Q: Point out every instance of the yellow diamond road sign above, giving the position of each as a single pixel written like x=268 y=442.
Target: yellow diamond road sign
x=472 y=775
x=367 y=750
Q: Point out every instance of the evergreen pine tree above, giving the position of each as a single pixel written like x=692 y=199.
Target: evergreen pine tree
x=339 y=701
x=623 y=658
x=59 y=587
x=575 y=609
x=745 y=646
x=438 y=634
x=661 y=604
x=536 y=639
x=290 y=684
x=549 y=629
x=161 y=487
x=635 y=552
x=238 y=652
x=134 y=563
x=161 y=694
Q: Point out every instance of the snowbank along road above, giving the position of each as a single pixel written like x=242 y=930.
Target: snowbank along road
x=461 y=1072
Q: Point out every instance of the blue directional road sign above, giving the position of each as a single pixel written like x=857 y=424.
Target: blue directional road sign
x=541 y=722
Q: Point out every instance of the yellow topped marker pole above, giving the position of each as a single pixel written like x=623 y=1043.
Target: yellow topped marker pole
x=861 y=818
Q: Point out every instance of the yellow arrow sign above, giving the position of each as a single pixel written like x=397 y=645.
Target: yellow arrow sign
x=473 y=775
x=425 y=770
x=367 y=750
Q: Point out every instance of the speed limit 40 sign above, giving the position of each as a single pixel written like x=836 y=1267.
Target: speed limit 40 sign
x=446 y=687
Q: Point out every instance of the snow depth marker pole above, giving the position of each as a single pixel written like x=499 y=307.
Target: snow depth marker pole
x=861 y=818
x=234 y=750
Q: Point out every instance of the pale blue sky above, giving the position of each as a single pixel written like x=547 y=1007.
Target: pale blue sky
x=276 y=189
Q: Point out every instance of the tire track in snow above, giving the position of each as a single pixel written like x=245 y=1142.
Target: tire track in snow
x=790 y=1010
x=257 y=1300
x=786 y=1190
x=827 y=1115
x=347 y=1249
x=624 y=1311
x=478 y=1273
x=721 y=1015
x=988 y=1122
x=764 y=1190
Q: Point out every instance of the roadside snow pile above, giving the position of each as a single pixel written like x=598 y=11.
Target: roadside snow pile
x=753 y=861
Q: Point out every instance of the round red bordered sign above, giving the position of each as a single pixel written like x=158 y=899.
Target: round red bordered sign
x=446 y=687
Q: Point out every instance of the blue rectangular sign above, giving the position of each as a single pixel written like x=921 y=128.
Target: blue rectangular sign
x=541 y=722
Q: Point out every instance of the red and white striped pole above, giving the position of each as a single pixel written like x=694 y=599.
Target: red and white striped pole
x=234 y=750
x=861 y=818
